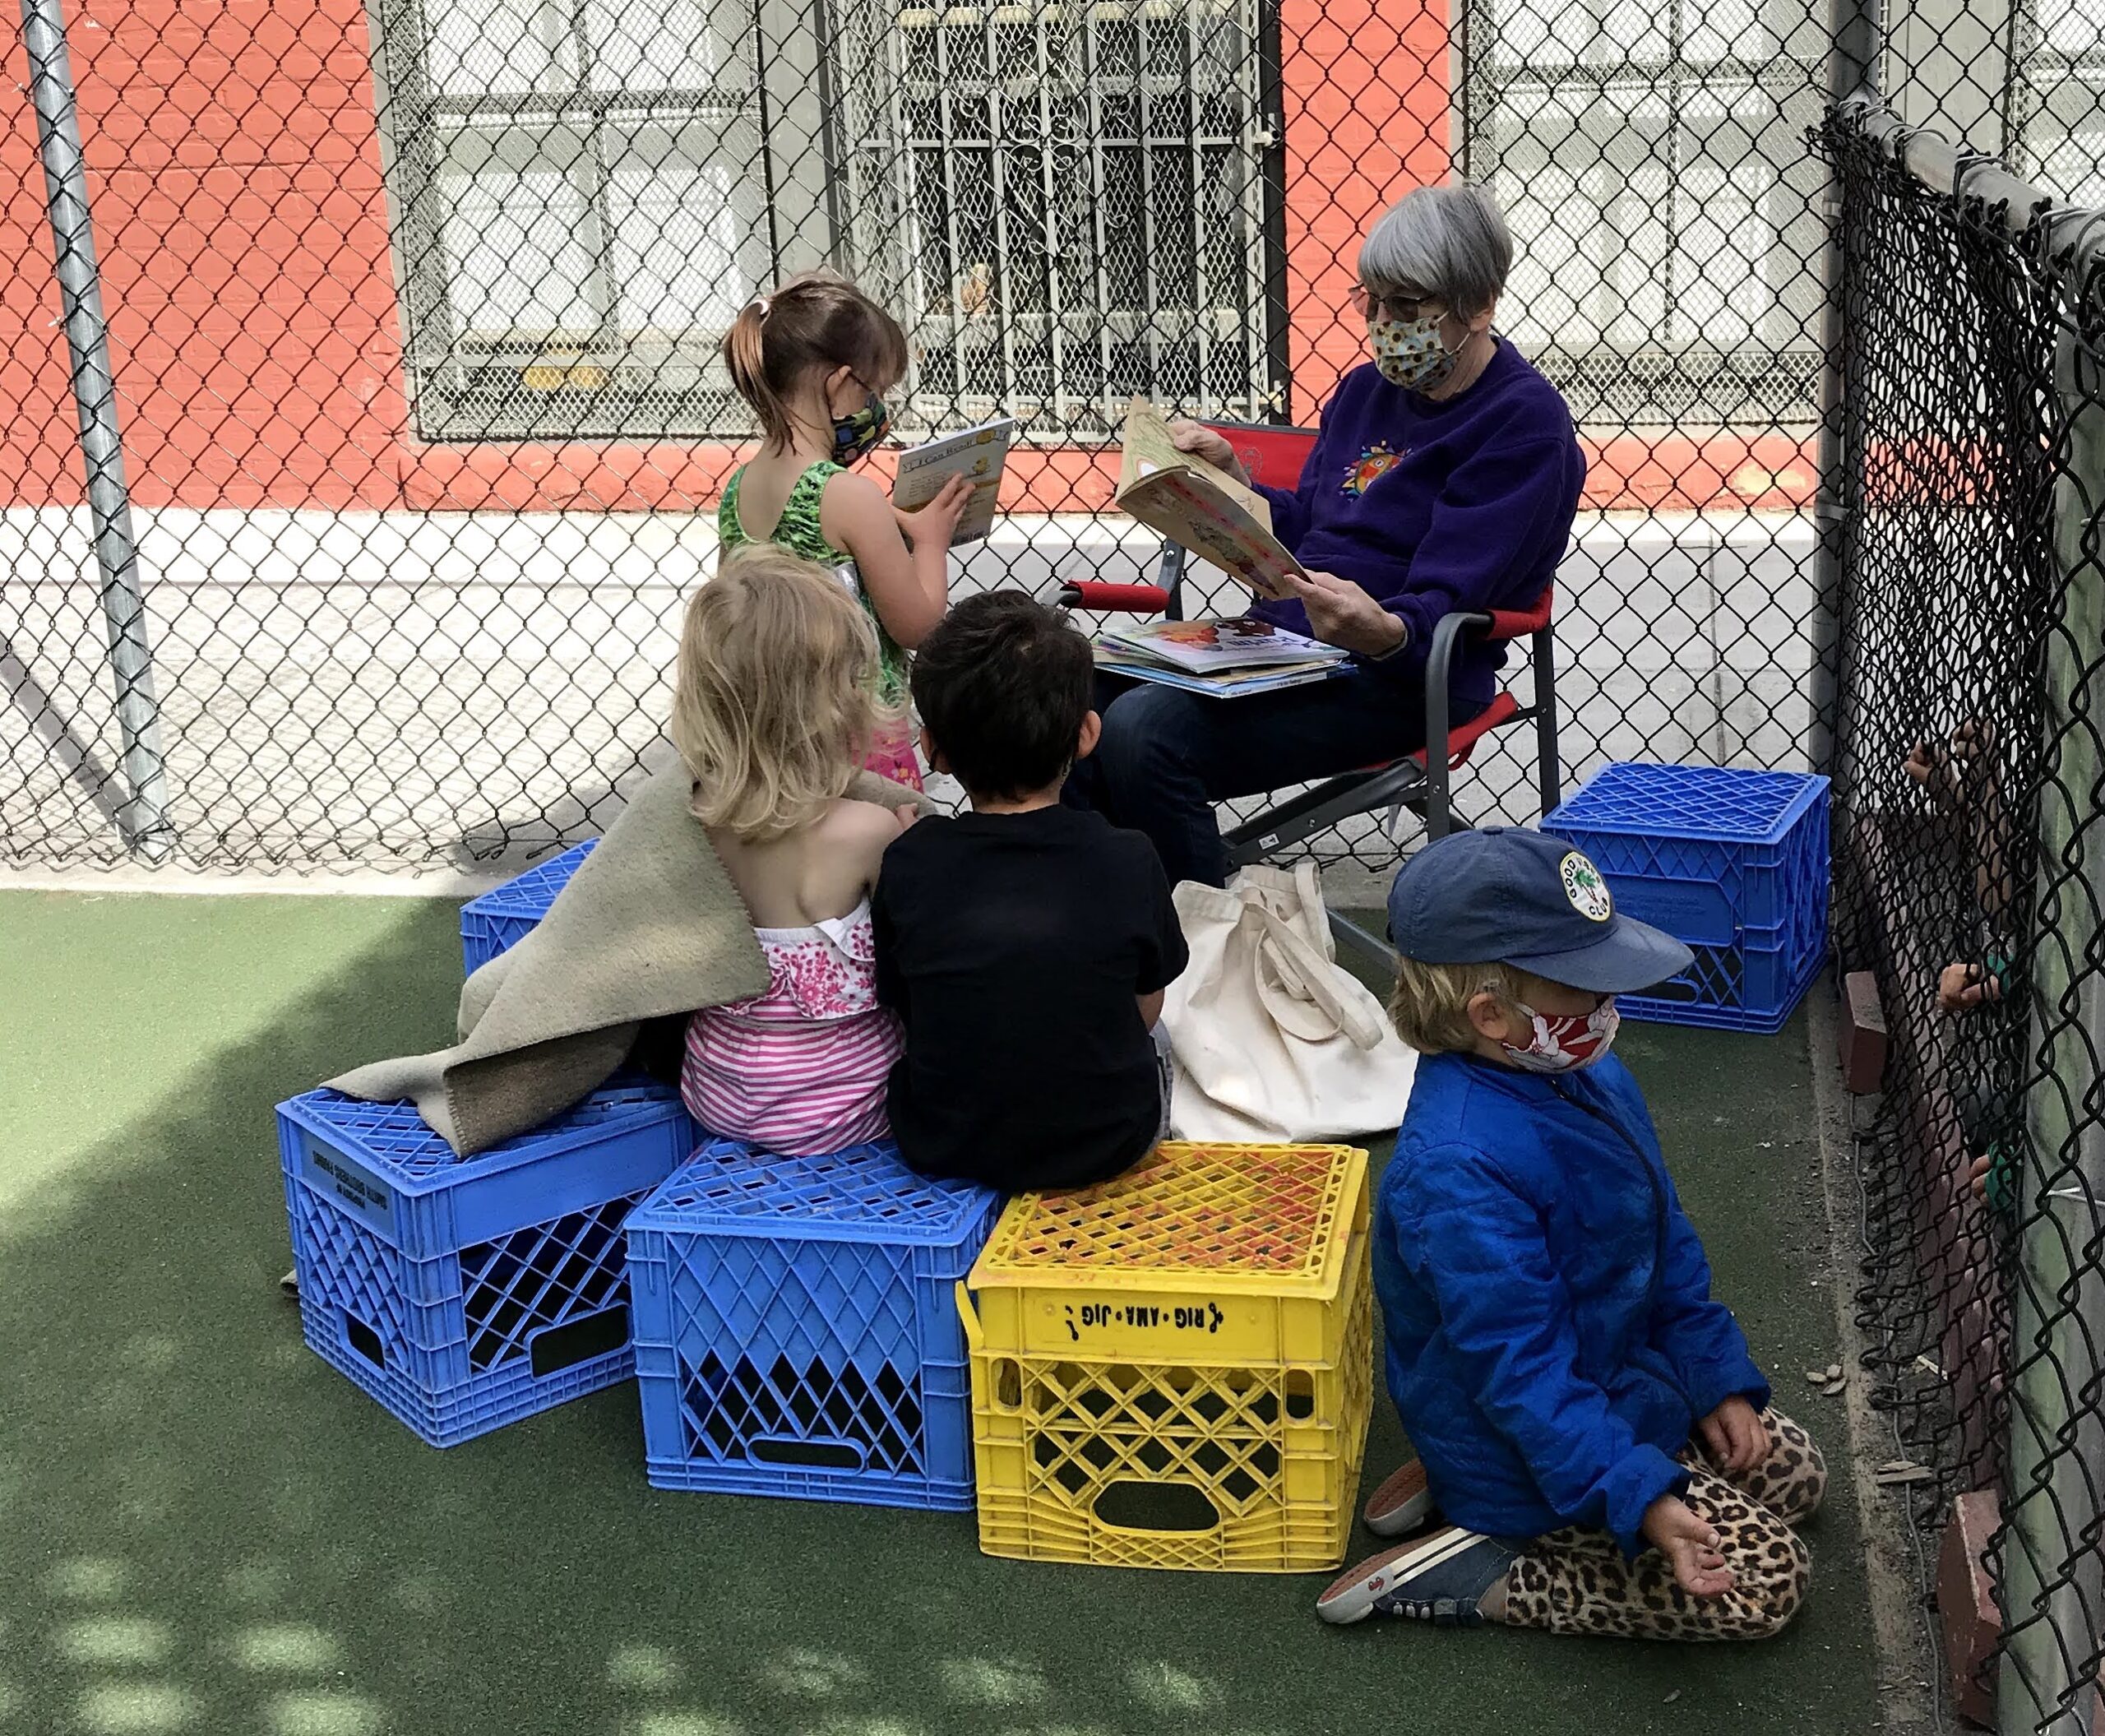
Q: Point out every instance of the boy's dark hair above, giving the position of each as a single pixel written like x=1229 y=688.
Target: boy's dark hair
x=1002 y=685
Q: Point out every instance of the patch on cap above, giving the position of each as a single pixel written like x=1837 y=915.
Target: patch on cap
x=1585 y=887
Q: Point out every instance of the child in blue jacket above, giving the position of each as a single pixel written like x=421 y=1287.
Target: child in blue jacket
x=1588 y=1424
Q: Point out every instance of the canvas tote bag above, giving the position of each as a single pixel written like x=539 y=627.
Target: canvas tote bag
x=1272 y=1037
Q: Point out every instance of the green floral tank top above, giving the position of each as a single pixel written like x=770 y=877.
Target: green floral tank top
x=797 y=530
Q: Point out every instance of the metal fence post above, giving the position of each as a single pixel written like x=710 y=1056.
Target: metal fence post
x=1852 y=73
x=2052 y=1576
x=144 y=819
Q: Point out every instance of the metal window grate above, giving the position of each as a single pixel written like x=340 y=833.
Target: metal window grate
x=1068 y=202
x=582 y=201
x=2057 y=97
x=1652 y=162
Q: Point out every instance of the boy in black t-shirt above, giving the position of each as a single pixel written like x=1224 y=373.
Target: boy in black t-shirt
x=1025 y=945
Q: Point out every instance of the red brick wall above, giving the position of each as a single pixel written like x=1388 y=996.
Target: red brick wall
x=236 y=181
x=1367 y=107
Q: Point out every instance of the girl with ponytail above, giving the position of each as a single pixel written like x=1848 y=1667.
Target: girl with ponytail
x=814 y=360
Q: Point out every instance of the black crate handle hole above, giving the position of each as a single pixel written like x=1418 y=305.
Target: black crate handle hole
x=1133 y=1504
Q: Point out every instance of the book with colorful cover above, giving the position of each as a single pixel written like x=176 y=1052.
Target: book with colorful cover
x=1222 y=684
x=979 y=455
x=1205 y=510
x=1206 y=647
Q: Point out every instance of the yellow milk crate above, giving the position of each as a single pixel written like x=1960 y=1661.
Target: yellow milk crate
x=1174 y=1369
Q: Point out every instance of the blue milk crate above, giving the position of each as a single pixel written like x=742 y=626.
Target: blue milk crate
x=1732 y=862
x=465 y=1293
x=503 y=917
x=797 y=1331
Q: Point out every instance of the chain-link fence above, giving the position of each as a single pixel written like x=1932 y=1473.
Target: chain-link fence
x=2021 y=81
x=413 y=313
x=367 y=428
x=1968 y=770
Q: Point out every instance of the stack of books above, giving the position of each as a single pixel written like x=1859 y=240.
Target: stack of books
x=1223 y=659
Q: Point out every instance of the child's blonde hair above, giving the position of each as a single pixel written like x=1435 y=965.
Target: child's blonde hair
x=774 y=701
x=1430 y=1004
x=817 y=320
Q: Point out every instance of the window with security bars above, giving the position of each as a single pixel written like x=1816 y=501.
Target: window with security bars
x=1071 y=202
x=1651 y=157
x=1064 y=204
x=2060 y=95
x=2020 y=81
x=581 y=199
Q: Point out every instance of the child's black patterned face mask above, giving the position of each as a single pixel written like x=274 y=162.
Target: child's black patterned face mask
x=857 y=434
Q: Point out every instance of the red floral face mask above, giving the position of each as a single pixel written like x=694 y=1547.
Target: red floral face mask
x=1567 y=1041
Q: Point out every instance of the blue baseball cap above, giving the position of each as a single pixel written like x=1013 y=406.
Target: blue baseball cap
x=1510 y=896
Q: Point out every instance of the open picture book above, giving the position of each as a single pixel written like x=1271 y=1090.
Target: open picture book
x=1205 y=510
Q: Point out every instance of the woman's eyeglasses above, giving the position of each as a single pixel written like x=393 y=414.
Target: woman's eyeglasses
x=1404 y=308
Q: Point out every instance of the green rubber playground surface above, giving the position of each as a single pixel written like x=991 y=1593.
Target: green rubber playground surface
x=205 y=1532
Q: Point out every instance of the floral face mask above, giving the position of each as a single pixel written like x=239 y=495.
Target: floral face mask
x=1560 y=1044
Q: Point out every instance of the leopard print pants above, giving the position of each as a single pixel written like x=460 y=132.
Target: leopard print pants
x=1578 y=1581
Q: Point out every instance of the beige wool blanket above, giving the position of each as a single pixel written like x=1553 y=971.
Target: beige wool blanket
x=648 y=929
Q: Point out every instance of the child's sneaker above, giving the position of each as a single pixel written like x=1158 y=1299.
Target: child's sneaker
x=1402 y=1505
x=1436 y=1579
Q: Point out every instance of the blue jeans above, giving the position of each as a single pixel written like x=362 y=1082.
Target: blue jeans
x=1168 y=756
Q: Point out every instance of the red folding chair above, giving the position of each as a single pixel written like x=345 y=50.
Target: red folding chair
x=1421 y=781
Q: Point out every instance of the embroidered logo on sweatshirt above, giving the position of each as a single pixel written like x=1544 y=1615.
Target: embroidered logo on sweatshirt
x=1373 y=463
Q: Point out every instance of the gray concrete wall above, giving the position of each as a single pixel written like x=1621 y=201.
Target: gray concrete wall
x=397 y=689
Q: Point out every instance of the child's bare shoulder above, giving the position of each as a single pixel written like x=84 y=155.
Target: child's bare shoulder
x=863 y=828
x=850 y=496
x=852 y=815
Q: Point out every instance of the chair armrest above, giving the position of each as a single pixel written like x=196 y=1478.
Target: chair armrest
x=1439 y=655
x=1109 y=598
x=1517 y=623
x=1439 y=663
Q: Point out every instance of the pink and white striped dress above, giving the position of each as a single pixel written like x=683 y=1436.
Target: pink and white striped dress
x=801 y=1069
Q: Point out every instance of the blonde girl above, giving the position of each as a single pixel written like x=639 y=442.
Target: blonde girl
x=814 y=361
x=774 y=710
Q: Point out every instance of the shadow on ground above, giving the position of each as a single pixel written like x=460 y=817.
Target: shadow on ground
x=203 y=1529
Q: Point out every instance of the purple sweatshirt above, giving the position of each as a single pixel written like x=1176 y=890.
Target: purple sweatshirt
x=1434 y=507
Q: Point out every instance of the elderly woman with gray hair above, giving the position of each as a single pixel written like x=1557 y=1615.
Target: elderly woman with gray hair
x=1445 y=476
